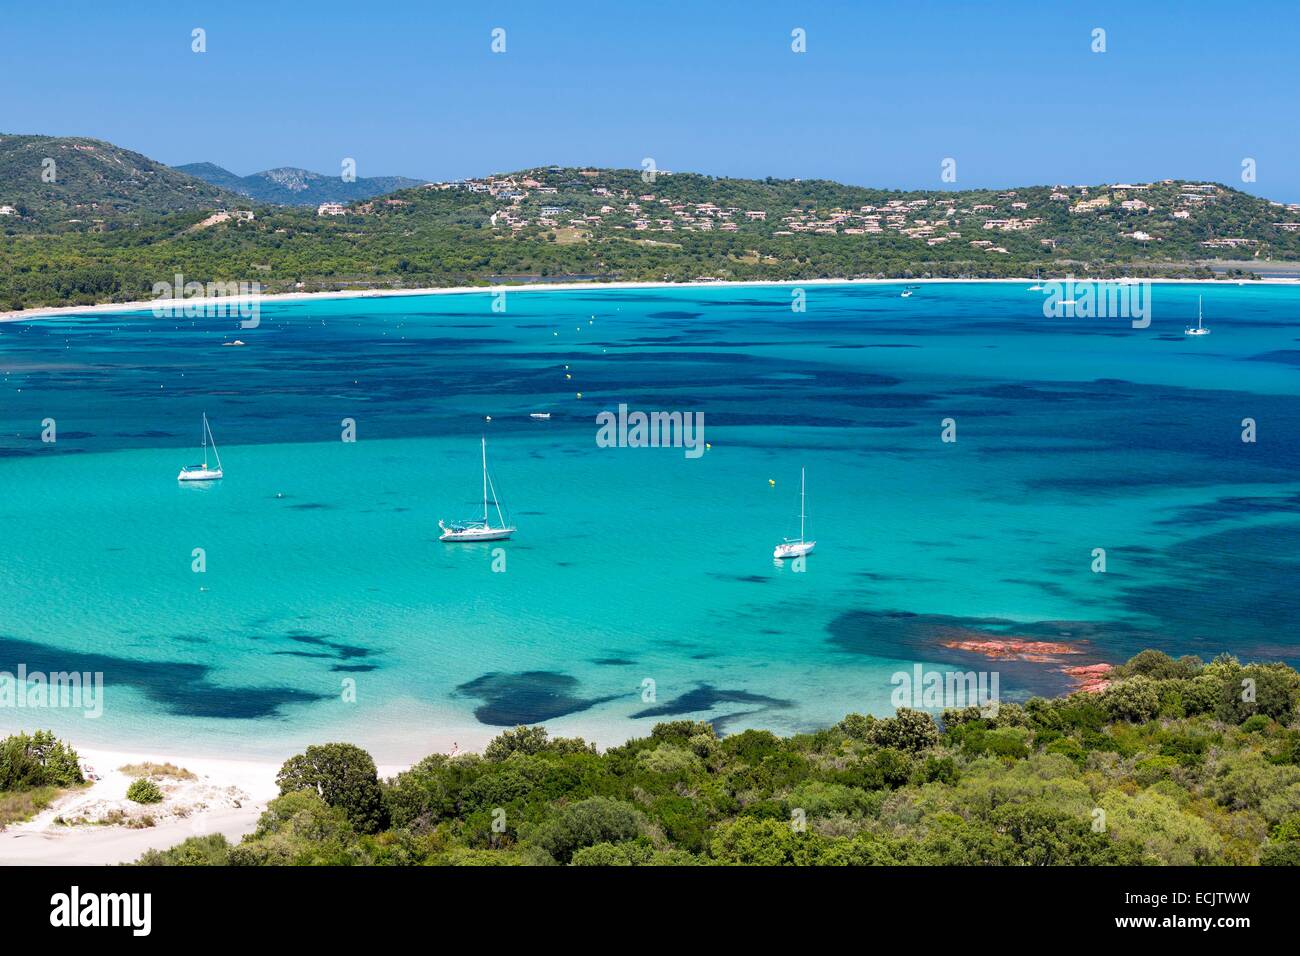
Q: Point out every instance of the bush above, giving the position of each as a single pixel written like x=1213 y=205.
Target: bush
x=144 y=790
x=909 y=730
x=343 y=776
x=1136 y=699
x=533 y=740
x=857 y=726
x=1159 y=666
x=669 y=761
x=210 y=850
x=1274 y=688
x=586 y=823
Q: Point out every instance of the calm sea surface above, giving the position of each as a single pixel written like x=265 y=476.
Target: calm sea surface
x=640 y=586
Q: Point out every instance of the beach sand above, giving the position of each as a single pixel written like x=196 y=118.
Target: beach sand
x=53 y=311
x=224 y=796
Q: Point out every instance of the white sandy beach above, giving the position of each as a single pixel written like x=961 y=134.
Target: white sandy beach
x=110 y=307
x=225 y=796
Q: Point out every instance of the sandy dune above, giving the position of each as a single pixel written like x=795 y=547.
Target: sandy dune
x=225 y=796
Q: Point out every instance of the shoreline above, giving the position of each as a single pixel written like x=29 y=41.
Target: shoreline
x=221 y=795
x=108 y=308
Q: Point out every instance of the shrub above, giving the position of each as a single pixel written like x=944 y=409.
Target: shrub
x=1256 y=724
x=1274 y=688
x=533 y=740
x=210 y=850
x=144 y=790
x=1136 y=699
x=614 y=854
x=669 y=761
x=909 y=730
x=751 y=842
x=1159 y=666
x=586 y=823
x=857 y=726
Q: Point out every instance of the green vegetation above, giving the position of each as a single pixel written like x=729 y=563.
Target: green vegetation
x=99 y=241
x=144 y=790
x=25 y=804
x=91 y=185
x=1176 y=762
x=34 y=770
x=38 y=760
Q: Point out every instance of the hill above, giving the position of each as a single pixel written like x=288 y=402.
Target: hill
x=55 y=182
x=553 y=223
x=290 y=186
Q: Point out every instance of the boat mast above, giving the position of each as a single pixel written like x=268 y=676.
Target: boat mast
x=801 y=506
x=1198 y=311
x=205 y=439
x=485 y=480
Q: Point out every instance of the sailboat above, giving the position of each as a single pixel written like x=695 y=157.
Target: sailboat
x=796 y=547
x=203 y=472
x=476 y=530
x=1200 y=328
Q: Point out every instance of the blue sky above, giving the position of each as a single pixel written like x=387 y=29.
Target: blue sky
x=885 y=91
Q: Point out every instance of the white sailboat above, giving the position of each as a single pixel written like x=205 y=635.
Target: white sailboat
x=796 y=547
x=479 y=530
x=203 y=472
x=1200 y=327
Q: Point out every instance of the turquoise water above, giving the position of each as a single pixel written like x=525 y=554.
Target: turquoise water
x=631 y=564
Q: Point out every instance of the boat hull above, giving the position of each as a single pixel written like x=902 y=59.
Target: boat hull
x=471 y=535
x=204 y=474
x=796 y=550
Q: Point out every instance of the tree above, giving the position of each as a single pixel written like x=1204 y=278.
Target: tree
x=586 y=823
x=1136 y=699
x=299 y=829
x=39 y=760
x=908 y=730
x=748 y=841
x=344 y=776
x=533 y=740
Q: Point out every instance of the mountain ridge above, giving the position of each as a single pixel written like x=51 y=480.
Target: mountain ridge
x=295 y=186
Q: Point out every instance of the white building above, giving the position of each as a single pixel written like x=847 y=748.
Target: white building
x=332 y=209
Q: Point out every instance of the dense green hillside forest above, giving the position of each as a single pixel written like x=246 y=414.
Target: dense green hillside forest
x=57 y=184
x=113 y=224
x=1176 y=762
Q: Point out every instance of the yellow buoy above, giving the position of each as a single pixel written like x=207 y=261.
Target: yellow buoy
x=771 y=482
